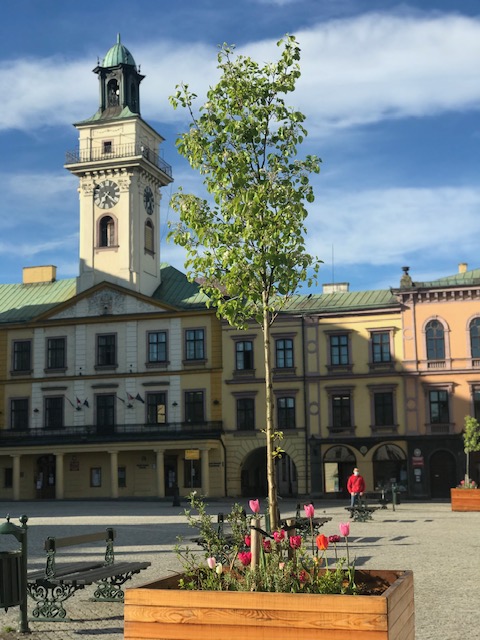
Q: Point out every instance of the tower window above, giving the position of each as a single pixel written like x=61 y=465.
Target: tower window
x=149 y=243
x=107 y=232
x=113 y=93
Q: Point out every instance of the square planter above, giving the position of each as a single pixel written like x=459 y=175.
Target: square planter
x=161 y=611
x=465 y=499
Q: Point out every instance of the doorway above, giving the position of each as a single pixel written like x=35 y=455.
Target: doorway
x=443 y=474
x=45 y=477
x=171 y=475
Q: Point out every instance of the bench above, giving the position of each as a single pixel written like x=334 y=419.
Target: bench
x=52 y=586
x=361 y=511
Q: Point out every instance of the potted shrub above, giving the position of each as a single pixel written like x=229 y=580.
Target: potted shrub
x=258 y=584
x=466 y=497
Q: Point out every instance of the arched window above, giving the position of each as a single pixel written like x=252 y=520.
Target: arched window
x=435 y=336
x=149 y=243
x=113 y=93
x=107 y=232
x=475 y=338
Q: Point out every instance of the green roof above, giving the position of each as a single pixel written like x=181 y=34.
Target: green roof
x=465 y=279
x=342 y=301
x=24 y=302
x=118 y=54
x=177 y=291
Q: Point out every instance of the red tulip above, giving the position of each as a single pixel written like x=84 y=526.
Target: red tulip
x=296 y=542
x=267 y=545
x=278 y=536
x=245 y=557
x=248 y=541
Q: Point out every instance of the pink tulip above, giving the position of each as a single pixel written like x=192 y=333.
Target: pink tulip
x=278 y=536
x=309 y=510
x=345 y=529
x=247 y=540
x=254 y=506
x=212 y=562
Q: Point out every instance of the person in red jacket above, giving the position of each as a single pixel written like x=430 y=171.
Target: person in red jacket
x=355 y=486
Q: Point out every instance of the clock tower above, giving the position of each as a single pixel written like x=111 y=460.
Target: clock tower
x=121 y=173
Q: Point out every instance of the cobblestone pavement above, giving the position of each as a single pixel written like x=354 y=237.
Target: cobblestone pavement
x=441 y=547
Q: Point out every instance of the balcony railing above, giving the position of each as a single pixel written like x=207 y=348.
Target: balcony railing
x=116 y=152
x=113 y=433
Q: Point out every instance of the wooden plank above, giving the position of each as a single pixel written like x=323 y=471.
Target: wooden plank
x=305 y=620
x=70 y=541
x=400 y=598
x=151 y=631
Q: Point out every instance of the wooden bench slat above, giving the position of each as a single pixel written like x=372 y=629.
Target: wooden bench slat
x=100 y=573
x=70 y=541
x=64 y=569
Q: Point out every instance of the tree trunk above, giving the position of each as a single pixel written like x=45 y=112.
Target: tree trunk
x=269 y=428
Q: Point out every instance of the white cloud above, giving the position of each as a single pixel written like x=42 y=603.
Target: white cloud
x=392 y=226
x=354 y=71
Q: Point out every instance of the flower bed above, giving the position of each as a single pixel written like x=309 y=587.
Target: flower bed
x=465 y=499
x=159 y=610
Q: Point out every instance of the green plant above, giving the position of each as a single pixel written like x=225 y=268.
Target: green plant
x=471 y=443
x=252 y=559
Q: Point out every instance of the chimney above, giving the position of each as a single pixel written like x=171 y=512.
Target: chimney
x=338 y=287
x=37 y=275
x=462 y=267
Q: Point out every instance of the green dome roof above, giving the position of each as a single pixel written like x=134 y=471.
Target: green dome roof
x=118 y=54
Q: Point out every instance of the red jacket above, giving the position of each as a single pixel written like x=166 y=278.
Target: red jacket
x=355 y=484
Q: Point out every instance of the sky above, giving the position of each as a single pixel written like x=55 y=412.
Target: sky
x=390 y=90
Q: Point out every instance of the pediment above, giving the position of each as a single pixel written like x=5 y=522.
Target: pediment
x=105 y=301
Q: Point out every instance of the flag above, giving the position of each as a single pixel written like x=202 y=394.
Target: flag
x=130 y=398
x=79 y=401
x=139 y=397
x=85 y=402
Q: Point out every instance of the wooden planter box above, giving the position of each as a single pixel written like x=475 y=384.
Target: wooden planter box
x=160 y=611
x=465 y=499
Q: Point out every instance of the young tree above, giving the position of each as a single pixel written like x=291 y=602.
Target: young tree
x=246 y=244
x=471 y=441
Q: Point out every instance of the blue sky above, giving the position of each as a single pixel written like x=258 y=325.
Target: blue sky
x=391 y=92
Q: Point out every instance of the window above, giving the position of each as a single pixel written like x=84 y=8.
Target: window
x=244 y=355
x=122 y=477
x=107 y=232
x=383 y=409
x=284 y=353
x=245 y=414
x=107 y=146
x=192 y=473
x=194 y=406
x=435 y=336
x=53 y=413
x=95 y=476
x=19 y=414
x=105 y=412
x=439 y=413
x=476 y=404
x=381 y=347
x=56 y=353
x=195 y=344
x=475 y=338
x=106 y=350
x=22 y=355
x=286 y=413
x=341 y=411
x=149 y=237
x=156 y=408
x=339 y=349
x=157 y=347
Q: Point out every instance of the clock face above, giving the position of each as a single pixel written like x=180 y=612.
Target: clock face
x=107 y=194
x=148 y=200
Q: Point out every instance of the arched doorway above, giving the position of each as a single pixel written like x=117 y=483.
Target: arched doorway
x=443 y=474
x=45 y=477
x=254 y=475
x=389 y=467
x=338 y=463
